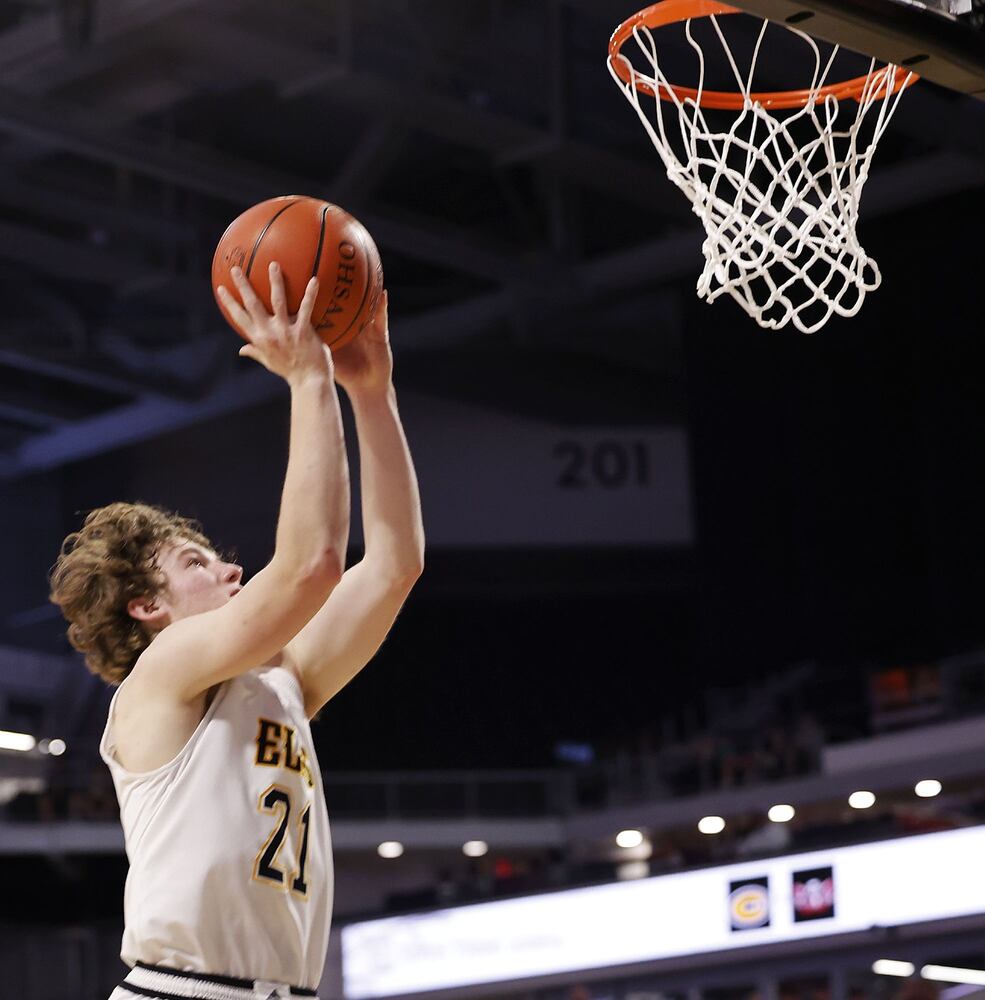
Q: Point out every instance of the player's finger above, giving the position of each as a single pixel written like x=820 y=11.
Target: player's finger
x=380 y=319
x=246 y=351
x=278 y=300
x=251 y=300
x=238 y=314
x=308 y=302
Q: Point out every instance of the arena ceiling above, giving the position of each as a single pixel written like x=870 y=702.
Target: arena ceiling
x=518 y=206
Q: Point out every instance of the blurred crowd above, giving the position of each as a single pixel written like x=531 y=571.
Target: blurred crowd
x=721 y=757
x=73 y=793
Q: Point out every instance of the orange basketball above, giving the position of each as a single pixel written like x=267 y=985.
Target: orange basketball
x=307 y=237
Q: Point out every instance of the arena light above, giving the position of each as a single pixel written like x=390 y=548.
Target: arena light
x=630 y=870
x=781 y=813
x=629 y=838
x=475 y=848
x=57 y=747
x=949 y=974
x=928 y=788
x=861 y=800
x=390 y=849
x=890 y=967
x=16 y=741
x=711 y=824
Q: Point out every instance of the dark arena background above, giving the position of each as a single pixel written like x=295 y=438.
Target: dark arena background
x=678 y=567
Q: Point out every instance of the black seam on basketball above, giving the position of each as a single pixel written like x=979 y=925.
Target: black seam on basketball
x=155 y=994
x=245 y=984
x=263 y=232
x=361 y=304
x=321 y=242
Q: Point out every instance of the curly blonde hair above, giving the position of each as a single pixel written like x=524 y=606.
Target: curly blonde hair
x=104 y=565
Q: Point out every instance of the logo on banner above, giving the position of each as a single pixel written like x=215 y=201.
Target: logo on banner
x=749 y=903
x=813 y=894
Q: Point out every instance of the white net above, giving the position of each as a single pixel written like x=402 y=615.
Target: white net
x=777 y=191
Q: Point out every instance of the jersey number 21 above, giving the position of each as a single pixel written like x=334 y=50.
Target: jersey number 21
x=277 y=800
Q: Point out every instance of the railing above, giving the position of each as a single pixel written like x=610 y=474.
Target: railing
x=450 y=794
x=85 y=793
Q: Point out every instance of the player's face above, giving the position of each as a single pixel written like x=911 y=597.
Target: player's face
x=197 y=579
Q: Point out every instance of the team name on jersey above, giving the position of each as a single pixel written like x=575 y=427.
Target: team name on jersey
x=278 y=746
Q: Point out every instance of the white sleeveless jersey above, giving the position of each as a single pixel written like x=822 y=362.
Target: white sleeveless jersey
x=229 y=847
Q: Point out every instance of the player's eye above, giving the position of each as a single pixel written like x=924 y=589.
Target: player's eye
x=195 y=561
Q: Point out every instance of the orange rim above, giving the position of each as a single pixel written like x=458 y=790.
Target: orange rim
x=673 y=11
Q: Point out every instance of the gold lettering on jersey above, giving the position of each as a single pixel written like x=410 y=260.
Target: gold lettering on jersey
x=268 y=743
x=278 y=746
x=289 y=753
x=306 y=770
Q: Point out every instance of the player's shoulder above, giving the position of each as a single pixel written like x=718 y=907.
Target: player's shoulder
x=148 y=676
x=149 y=726
x=151 y=668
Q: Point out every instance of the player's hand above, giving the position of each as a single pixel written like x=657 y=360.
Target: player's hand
x=285 y=345
x=366 y=363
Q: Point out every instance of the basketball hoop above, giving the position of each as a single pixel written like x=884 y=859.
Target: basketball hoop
x=777 y=193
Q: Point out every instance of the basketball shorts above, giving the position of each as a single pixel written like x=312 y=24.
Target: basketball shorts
x=158 y=982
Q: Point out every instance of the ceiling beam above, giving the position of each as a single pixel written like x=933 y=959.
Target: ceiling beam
x=99 y=214
x=76 y=374
x=136 y=422
x=74 y=260
x=29 y=416
x=236 y=182
x=61 y=258
x=37 y=45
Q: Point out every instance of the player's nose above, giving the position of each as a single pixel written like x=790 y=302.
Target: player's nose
x=232 y=573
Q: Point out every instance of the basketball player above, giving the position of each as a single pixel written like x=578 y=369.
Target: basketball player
x=229 y=892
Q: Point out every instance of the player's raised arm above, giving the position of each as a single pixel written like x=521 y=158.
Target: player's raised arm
x=194 y=652
x=345 y=634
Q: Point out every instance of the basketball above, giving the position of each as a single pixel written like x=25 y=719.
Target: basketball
x=309 y=238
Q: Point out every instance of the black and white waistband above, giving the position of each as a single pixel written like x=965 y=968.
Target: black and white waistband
x=163 y=983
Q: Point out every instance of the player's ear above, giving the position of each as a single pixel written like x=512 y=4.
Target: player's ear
x=146 y=609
